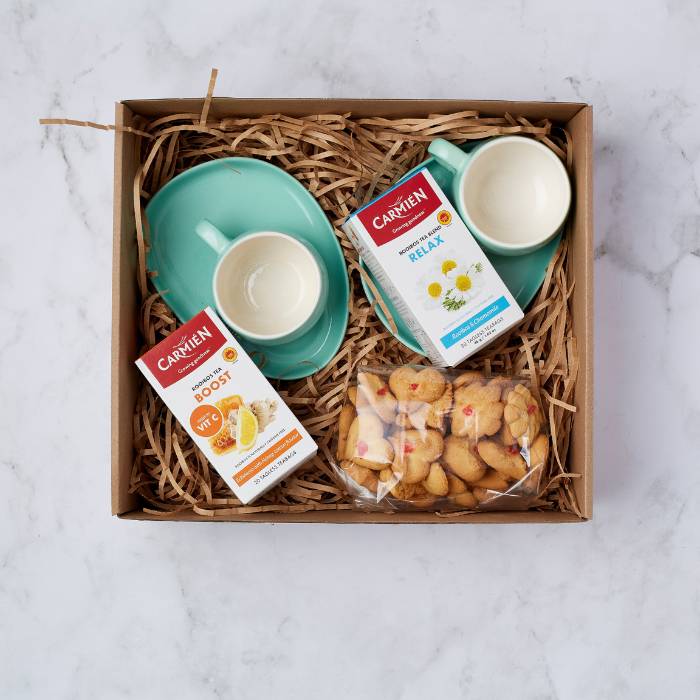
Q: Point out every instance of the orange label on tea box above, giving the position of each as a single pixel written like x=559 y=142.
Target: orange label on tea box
x=206 y=420
x=281 y=447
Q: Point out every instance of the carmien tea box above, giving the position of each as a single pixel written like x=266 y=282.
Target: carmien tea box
x=436 y=275
x=227 y=406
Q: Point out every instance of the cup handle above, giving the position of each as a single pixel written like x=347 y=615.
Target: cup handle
x=212 y=236
x=448 y=155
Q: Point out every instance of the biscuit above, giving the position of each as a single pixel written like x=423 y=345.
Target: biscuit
x=345 y=419
x=403 y=491
x=435 y=414
x=366 y=445
x=492 y=480
x=360 y=475
x=459 y=494
x=465 y=500
x=414 y=452
x=372 y=388
x=359 y=401
x=421 y=497
x=523 y=415
x=481 y=495
x=436 y=481
x=505 y=384
x=468 y=377
x=477 y=411
x=386 y=474
x=506 y=436
x=505 y=460
x=455 y=485
x=539 y=452
x=413 y=388
x=431 y=442
x=537 y=462
x=461 y=459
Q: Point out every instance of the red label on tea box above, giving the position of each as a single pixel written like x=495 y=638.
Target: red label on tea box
x=184 y=350
x=399 y=210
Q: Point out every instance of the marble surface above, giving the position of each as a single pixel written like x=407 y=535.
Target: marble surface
x=91 y=607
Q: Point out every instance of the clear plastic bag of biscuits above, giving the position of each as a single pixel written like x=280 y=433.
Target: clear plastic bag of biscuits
x=423 y=438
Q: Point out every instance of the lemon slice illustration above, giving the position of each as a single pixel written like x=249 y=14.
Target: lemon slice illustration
x=246 y=428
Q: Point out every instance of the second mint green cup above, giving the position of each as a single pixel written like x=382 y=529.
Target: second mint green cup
x=512 y=192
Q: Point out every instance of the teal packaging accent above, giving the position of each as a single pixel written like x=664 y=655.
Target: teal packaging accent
x=476 y=321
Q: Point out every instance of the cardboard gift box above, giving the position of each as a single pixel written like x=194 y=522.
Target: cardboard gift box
x=577 y=119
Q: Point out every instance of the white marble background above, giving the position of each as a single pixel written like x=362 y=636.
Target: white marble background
x=91 y=607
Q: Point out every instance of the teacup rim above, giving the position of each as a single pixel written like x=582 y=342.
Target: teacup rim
x=495 y=243
x=243 y=238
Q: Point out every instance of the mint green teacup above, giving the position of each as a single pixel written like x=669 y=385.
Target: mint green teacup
x=512 y=192
x=268 y=286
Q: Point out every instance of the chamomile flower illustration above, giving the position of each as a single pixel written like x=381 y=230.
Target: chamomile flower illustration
x=434 y=291
x=447 y=266
x=465 y=283
x=433 y=284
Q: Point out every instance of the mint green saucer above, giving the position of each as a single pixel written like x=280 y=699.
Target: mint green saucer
x=522 y=274
x=239 y=195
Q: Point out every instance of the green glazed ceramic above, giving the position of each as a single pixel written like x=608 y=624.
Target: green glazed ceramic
x=515 y=177
x=239 y=195
x=523 y=275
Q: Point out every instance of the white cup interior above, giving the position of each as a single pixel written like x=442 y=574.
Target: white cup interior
x=516 y=191
x=267 y=285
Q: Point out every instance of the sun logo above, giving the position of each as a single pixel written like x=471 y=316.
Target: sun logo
x=444 y=217
x=230 y=354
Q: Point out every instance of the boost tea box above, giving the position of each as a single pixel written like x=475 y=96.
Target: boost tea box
x=436 y=275
x=230 y=410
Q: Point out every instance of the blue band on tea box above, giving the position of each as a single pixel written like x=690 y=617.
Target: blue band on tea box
x=471 y=324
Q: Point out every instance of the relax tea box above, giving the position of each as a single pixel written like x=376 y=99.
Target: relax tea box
x=433 y=270
x=227 y=406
